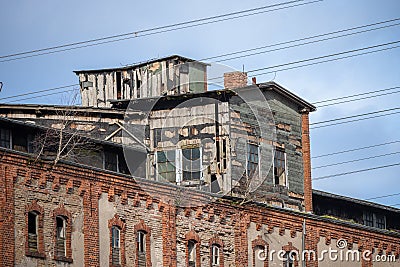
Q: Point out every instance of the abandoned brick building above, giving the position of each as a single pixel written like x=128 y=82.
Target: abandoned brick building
x=155 y=169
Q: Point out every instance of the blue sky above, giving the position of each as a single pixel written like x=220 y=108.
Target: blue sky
x=28 y=25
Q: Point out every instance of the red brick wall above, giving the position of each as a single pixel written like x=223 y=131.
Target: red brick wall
x=7 y=238
x=169 y=225
x=305 y=136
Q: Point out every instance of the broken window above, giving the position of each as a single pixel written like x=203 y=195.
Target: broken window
x=22 y=142
x=166 y=165
x=192 y=253
x=252 y=159
x=61 y=240
x=33 y=222
x=5 y=138
x=141 y=248
x=119 y=84
x=280 y=167
x=191 y=163
x=115 y=161
x=115 y=246
x=110 y=161
x=288 y=260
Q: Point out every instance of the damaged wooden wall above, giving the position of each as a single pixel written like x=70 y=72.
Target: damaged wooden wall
x=169 y=76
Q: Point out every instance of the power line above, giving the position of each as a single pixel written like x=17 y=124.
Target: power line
x=356 y=149
x=297 y=40
x=355 y=95
x=356 y=160
x=352 y=172
x=160 y=29
x=331 y=55
x=384 y=196
x=344 y=122
x=354 y=116
x=360 y=94
x=40 y=91
x=33 y=97
x=322 y=57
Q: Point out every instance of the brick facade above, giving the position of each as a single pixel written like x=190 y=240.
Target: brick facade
x=85 y=196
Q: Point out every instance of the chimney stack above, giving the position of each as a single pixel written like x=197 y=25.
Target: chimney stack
x=235 y=79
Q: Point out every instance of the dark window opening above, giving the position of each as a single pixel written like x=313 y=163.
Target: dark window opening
x=115 y=246
x=61 y=237
x=191 y=163
x=33 y=231
x=141 y=247
x=110 y=161
x=369 y=219
x=288 y=262
x=279 y=167
x=380 y=222
x=215 y=188
x=166 y=165
x=119 y=85
x=22 y=142
x=192 y=253
x=252 y=159
x=5 y=138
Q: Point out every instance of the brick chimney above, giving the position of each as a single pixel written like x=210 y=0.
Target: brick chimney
x=235 y=79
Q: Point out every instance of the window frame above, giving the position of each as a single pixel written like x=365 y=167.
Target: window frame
x=34 y=209
x=169 y=160
x=215 y=255
x=116 y=223
x=115 y=245
x=251 y=171
x=281 y=161
x=183 y=161
x=61 y=236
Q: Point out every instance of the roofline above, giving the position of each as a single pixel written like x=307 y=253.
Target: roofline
x=41 y=127
x=136 y=65
x=355 y=200
x=284 y=92
x=35 y=107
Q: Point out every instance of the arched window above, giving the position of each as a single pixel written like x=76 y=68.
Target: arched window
x=115 y=246
x=33 y=231
x=215 y=255
x=191 y=248
x=141 y=248
x=117 y=242
x=34 y=245
x=288 y=260
x=61 y=236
